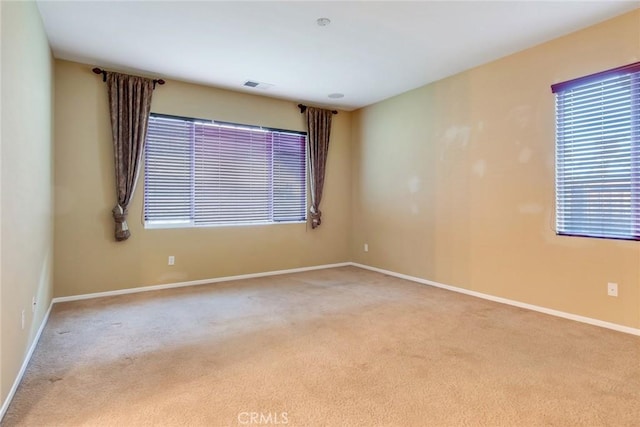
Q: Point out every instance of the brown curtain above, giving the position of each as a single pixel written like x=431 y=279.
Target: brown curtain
x=319 y=131
x=129 y=103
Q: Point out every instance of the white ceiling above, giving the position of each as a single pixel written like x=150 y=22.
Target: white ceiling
x=369 y=52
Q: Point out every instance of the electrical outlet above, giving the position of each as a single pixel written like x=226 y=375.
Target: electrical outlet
x=22 y=318
x=366 y=247
x=612 y=289
x=33 y=305
x=172 y=260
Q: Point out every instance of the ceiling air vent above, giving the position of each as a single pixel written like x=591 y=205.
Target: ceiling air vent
x=257 y=85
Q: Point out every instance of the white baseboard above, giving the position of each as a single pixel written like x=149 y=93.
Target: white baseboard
x=552 y=312
x=557 y=313
x=196 y=282
x=25 y=363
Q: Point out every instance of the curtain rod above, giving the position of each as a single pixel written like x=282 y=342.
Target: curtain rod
x=303 y=108
x=104 y=77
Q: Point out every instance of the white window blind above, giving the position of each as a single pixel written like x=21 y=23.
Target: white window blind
x=598 y=155
x=200 y=173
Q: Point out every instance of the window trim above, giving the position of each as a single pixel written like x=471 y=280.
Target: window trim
x=185 y=225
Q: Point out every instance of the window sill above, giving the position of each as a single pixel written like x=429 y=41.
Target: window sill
x=190 y=225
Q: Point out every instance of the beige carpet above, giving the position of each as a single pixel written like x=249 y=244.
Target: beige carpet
x=338 y=347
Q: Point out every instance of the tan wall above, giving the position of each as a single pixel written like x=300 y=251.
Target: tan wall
x=87 y=257
x=26 y=185
x=454 y=182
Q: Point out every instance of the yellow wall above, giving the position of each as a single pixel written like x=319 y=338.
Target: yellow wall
x=87 y=257
x=26 y=183
x=454 y=182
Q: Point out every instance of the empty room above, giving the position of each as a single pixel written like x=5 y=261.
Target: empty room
x=320 y=213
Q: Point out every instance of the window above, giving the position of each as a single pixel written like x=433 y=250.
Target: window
x=200 y=173
x=598 y=154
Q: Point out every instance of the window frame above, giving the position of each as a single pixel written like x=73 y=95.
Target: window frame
x=191 y=223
